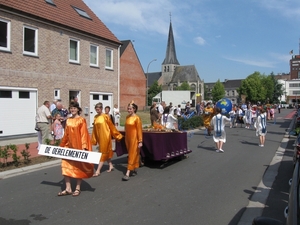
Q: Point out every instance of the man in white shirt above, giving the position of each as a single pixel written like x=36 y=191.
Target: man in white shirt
x=53 y=105
x=43 y=116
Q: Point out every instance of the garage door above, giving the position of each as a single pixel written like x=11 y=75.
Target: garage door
x=104 y=98
x=18 y=109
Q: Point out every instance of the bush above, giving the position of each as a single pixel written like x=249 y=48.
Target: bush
x=191 y=123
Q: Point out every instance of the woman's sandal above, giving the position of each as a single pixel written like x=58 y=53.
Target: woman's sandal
x=96 y=174
x=125 y=178
x=110 y=169
x=76 y=193
x=64 y=193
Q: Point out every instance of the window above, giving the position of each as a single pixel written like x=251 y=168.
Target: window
x=50 y=2
x=298 y=74
x=74 y=51
x=56 y=94
x=105 y=97
x=96 y=97
x=232 y=93
x=24 y=94
x=5 y=94
x=4 y=35
x=94 y=55
x=109 y=59
x=296 y=92
x=30 y=42
x=82 y=13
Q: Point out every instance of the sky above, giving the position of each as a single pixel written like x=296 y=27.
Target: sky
x=224 y=39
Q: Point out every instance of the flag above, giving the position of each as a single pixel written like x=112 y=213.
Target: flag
x=291 y=52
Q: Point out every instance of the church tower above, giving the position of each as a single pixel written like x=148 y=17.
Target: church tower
x=170 y=62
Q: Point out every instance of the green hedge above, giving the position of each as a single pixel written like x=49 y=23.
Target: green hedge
x=191 y=123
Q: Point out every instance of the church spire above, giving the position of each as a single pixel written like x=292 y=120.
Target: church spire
x=171 y=52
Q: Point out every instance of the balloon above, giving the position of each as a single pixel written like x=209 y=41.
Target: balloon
x=225 y=105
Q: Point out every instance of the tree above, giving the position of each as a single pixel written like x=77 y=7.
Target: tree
x=253 y=88
x=261 y=88
x=278 y=91
x=184 y=86
x=153 y=90
x=218 y=91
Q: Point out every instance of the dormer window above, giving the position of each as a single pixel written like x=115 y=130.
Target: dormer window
x=82 y=13
x=50 y=2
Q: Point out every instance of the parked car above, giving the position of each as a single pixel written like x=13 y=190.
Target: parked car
x=292 y=211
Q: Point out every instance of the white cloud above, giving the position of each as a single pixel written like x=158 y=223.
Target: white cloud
x=199 y=40
x=257 y=62
x=287 y=8
x=281 y=57
x=140 y=16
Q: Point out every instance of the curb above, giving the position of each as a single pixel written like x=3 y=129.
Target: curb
x=28 y=169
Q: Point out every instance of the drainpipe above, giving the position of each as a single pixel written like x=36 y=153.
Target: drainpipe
x=119 y=76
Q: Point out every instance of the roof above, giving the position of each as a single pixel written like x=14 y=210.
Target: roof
x=124 y=46
x=152 y=77
x=171 y=51
x=232 y=83
x=185 y=73
x=61 y=13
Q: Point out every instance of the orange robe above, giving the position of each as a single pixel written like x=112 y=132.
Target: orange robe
x=207 y=117
x=102 y=131
x=133 y=135
x=76 y=136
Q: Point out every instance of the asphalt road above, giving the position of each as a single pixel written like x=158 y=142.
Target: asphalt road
x=206 y=188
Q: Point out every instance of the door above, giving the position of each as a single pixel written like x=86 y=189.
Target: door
x=105 y=98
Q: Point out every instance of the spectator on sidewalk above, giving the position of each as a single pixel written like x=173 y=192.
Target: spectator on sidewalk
x=117 y=115
x=107 y=112
x=154 y=115
x=43 y=117
x=57 y=127
x=53 y=105
x=59 y=109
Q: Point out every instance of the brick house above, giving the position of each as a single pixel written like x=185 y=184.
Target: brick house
x=53 y=49
x=132 y=77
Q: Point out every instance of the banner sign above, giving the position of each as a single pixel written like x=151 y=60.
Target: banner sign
x=70 y=154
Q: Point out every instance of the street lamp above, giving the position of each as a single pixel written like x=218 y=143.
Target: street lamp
x=147 y=82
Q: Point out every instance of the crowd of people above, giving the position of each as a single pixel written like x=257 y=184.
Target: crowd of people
x=248 y=115
x=252 y=116
x=167 y=115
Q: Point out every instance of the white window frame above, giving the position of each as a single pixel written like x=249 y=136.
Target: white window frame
x=57 y=94
x=97 y=55
x=77 y=52
x=8 y=26
x=35 y=53
x=111 y=59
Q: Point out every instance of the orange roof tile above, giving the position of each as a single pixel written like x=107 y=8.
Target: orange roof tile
x=62 y=13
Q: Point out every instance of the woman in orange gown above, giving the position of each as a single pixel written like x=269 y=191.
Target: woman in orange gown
x=133 y=140
x=103 y=130
x=76 y=136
